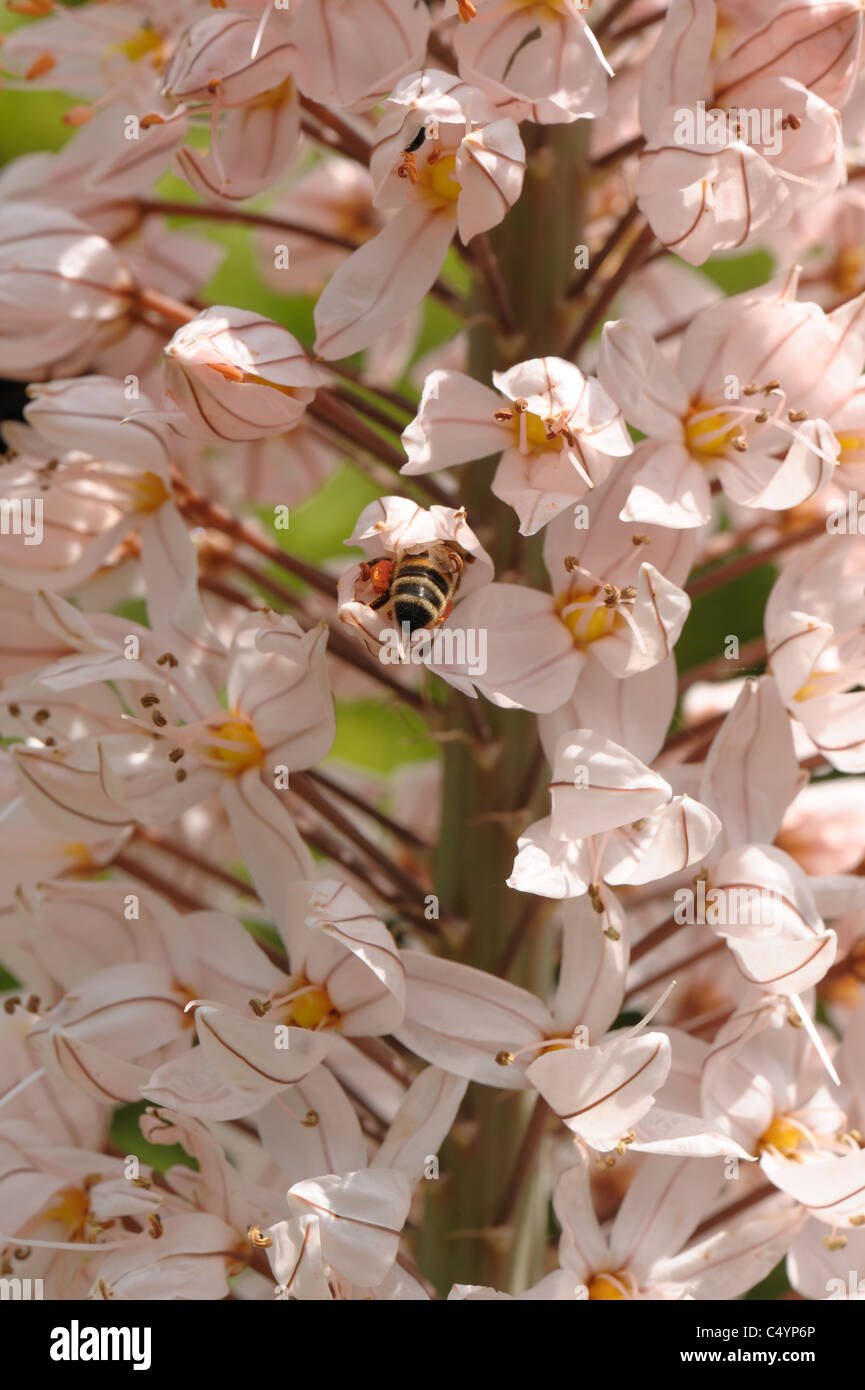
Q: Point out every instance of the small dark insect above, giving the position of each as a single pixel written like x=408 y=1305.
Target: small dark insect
x=419 y=589
x=416 y=143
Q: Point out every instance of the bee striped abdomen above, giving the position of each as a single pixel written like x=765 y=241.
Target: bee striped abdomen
x=419 y=593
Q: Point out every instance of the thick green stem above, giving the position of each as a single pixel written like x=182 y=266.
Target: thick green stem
x=491 y=1165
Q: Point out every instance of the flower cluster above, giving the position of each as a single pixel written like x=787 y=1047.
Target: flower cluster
x=504 y=875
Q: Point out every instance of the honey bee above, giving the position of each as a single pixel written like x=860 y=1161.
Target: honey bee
x=418 y=590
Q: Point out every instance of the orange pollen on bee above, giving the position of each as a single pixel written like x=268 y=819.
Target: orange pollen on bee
x=380 y=575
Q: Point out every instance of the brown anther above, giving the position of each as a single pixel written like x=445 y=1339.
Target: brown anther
x=791 y=122
x=858 y=1220
x=41 y=715
x=159 y=719
x=835 y=1242
x=629 y=591
x=148 y=700
x=854 y=1134
x=33 y=1004
x=504 y=1059
x=310 y=1119
x=740 y=443
x=10 y=1004
x=259 y=1007
x=50 y=742
x=571 y=563
x=762 y=416
x=793 y=1019
x=773 y=385
x=175 y=755
x=167 y=659
x=14 y=710
x=752 y=389
x=155 y=1223
x=612 y=934
x=503 y=416
x=180 y=775
x=22 y=1252
x=521 y=405
x=638 y=824
x=794 y=416
x=152 y=118
x=255 y=1238
x=408 y=168
x=640 y=540
x=611 y=595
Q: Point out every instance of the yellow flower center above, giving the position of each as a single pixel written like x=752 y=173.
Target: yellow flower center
x=144 y=41
x=782 y=1135
x=585 y=625
x=72 y=1207
x=606 y=1287
x=146 y=492
x=850 y=444
x=310 y=1009
x=248 y=753
x=848 y=269
x=707 y=435
x=537 y=438
x=437 y=177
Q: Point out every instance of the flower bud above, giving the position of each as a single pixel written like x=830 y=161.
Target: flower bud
x=64 y=293
x=237 y=376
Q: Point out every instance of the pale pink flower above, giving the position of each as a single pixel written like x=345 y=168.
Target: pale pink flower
x=64 y=293
x=718 y=412
x=613 y=820
x=336 y=196
x=346 y=977
x=615 y=600
x=344 y=1228
x=353 y=55
x=535 y=62
x=646 y=1255
x=816 y=651
x=237 y=376
x=464 y=177
x=558 y=437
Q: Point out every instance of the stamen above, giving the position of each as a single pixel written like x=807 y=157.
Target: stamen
x=16 y=1090
x=629 y=1033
